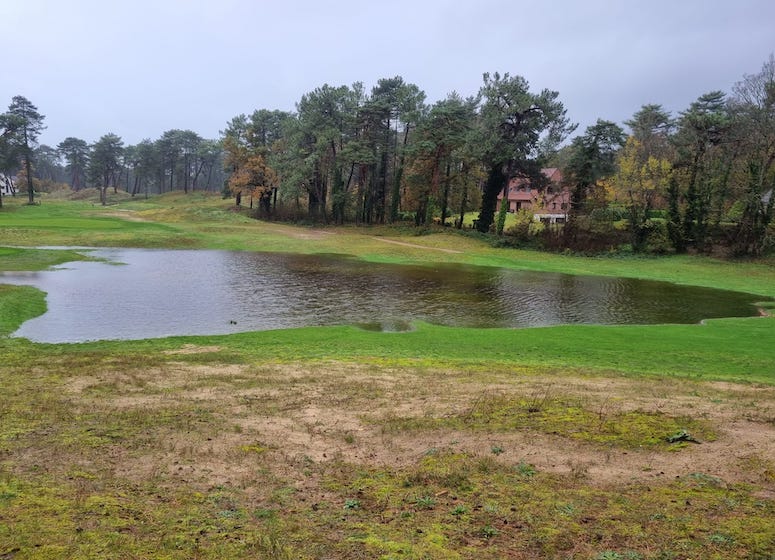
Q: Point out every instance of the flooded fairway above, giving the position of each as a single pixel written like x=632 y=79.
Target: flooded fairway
x=156 y=293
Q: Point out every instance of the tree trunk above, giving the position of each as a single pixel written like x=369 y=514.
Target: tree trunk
x=196 y=175
x=116 y=181
x=463 y=201
x=371 y=195
x=692 y=213
x=675 y=223
x=209 y=177
x=30 y=187
x=381 y=190
x=445 y=197
x=395 y=202
x=495 y=180
x=185 y=174
x=757 y=215
x=317 y=196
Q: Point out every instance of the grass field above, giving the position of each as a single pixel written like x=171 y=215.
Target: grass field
x=650 y=442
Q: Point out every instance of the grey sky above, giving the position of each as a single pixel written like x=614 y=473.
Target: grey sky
x=140 y=67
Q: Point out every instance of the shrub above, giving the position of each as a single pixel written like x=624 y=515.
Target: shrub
x=523 y=219
x=657 y=237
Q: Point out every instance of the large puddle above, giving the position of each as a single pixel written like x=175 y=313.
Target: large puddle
x=156 y=293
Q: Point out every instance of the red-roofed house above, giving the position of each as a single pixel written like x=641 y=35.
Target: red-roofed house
x=550 y=204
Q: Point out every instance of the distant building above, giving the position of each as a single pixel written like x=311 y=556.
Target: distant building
x=550 y=204
x=7 y=185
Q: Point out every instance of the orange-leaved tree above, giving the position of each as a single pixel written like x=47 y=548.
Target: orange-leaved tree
x=252 y=177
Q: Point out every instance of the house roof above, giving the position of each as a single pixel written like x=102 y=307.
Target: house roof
x=553 y=174
x=521 y=190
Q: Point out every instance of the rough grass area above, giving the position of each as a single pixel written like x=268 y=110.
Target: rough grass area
x=603 y=443
x=179 y=455
x=602 y=423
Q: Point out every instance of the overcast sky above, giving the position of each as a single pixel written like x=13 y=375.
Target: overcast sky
x=140 y=67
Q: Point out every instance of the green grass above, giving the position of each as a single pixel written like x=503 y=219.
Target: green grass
x=724 y=349
x=19 y=259
x=17 y=304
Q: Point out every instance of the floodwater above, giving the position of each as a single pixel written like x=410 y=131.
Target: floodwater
x=157 y=293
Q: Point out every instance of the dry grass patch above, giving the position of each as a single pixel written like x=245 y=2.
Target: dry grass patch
x=614 y=428
x=329 y=459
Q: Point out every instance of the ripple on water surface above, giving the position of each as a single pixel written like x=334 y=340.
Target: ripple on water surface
x=155 y=293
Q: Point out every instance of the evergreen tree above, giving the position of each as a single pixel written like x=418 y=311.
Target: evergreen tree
x=517 y=128
x=26 y=124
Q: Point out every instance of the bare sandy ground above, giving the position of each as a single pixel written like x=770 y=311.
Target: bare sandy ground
x=335 y=412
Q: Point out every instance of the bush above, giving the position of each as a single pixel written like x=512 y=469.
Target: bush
x=657 y=237
x=606 y=214
x=584 y=235
x=523 y=219
x=735 y=212
x=536 y=229
x=52 y=187
x=768 y=246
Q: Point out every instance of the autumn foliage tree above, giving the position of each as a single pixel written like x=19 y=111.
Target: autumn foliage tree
x=255 y=179
x=640 y=182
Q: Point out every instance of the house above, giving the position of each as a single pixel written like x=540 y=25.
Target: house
x=550 y=204
x=7 y=185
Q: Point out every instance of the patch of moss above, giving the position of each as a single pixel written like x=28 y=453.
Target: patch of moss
x=560 y=416
x=499 y=513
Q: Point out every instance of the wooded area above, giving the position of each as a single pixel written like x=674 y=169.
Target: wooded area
x=700 y=180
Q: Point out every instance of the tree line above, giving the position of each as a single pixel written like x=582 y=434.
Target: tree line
x=382 y=156
x=178 y=160
x=681 y=182
x=672 y=182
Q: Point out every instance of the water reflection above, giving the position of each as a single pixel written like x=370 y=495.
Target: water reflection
x=158 y=293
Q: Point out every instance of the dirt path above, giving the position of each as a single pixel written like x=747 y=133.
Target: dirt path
x=300 y=233
x=414 y=246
